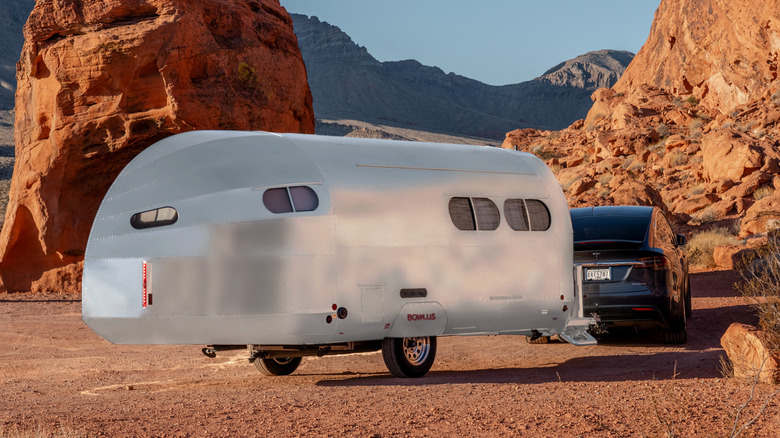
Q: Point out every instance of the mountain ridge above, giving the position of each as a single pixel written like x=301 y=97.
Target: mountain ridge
x=347 y=82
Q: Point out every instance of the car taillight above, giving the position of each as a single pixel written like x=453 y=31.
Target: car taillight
x=656 y=263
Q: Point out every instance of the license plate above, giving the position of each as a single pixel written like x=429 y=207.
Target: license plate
x=598 y=274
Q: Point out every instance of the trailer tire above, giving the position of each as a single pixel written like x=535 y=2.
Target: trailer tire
x=409 y=357
x=279 y=366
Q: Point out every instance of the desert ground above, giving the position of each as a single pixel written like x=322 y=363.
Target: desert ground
x=59 y=377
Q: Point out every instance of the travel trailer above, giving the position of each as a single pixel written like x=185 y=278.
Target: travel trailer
x=291 y=245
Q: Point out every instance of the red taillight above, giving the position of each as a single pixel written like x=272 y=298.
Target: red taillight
x=144 y=286
x=656 y=263
x=643 y=309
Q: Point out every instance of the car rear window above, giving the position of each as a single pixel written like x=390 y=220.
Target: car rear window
x=610 y=228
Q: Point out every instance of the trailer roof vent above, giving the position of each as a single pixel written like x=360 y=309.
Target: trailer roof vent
x=290 y=199
x=154 y=218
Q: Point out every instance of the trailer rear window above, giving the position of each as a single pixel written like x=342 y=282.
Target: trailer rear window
x=154 y=218
x=527 y=214
x=290 y=199
x=471 y=214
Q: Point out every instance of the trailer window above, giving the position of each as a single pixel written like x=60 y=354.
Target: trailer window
x=289 y=199
x=461 y=214
x=539 y=215
x=154 y=218
x=488 y=217
x=516 y=216
x=471 y=214
x=304 y=198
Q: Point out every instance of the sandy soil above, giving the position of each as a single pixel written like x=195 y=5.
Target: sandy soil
x=55 y=371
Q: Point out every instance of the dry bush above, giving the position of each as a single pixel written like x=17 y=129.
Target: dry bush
x=761 y=286
x=702 y=245
x=763 y=192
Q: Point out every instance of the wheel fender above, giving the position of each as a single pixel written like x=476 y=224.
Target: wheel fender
x=419 y=319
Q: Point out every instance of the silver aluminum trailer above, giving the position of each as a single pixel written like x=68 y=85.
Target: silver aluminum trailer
x=293 y=245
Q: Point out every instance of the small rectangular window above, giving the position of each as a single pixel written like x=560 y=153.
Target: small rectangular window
x=538 y=214
x=304 y=198
x=154 y=218
x=289 y=199
x=488 y=217
x=461 y=214
x=277 y=200
x=516 y=216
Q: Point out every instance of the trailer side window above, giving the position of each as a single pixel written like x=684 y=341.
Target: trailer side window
x=516 y=216
x=461 y=214
x=154 y=218
x=289 y=199
x=539 y=215
x=471 y=214
x=488 y=217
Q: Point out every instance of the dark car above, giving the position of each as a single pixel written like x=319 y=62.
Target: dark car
x=634 y=269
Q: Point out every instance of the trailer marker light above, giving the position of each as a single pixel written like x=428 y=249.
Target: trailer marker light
x=643 y=309
x=144 y=285
x=335 y=306
x=329 y=319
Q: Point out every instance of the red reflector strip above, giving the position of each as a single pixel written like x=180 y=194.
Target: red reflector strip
x=643 y=309
x=144 y=286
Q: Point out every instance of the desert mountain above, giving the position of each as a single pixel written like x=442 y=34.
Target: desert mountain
x=13 y=14
x=693 y=125
x=348 y=83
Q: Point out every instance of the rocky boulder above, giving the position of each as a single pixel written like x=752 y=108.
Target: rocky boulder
x=729 y=154
x=749 y=355
x=100 y=80
x=762 y=217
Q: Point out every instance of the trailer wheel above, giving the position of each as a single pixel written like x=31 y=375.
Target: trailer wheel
x=279 y=366
x=409 y=357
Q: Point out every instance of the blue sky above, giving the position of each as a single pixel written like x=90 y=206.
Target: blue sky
x=497 y=41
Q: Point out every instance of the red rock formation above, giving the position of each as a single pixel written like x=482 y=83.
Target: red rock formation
x=100 y=80
x=693 y=125
x=749 y=354
x=723 y=52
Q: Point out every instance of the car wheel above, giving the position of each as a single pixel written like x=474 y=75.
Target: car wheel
x=279 y=366
x=677 y=333
x=539 y=340
x=409 y=357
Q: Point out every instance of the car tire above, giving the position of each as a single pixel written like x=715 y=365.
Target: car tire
x=409 y=357
x=688 y=304
x=678 y=332
x=282 y=366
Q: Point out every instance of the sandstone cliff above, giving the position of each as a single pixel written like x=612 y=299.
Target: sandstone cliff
x=722 y=52
x=348 y=83
x=692 y=126
x=100 y=80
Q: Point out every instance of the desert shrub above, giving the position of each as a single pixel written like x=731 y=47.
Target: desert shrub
x=606 y=178
x=662 y=130
x=763 y=192
x=760 y=284
x=692 y=100
x=702 y=245
x=696 y=190
x=776 y=97
x=627 y=161
x=679 y=158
